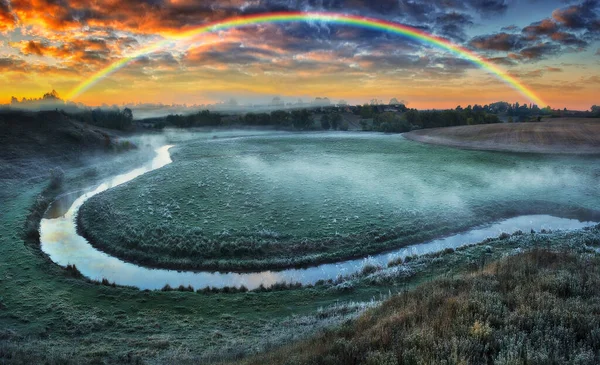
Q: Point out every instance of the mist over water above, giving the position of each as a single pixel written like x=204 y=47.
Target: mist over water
x=284 y=177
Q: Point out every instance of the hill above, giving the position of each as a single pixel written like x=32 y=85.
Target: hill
x=537 y=307
x=34 y=141
x=561 y=135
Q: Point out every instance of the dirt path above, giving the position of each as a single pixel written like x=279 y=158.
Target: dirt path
x=561 y=135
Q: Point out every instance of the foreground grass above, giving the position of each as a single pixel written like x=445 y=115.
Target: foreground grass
x=297 y=200
x=539 y=307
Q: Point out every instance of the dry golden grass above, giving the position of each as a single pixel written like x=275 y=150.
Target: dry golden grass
x=561 y=135
x=539 y=307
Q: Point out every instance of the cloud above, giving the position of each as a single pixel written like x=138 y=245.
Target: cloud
x=543 y=27
x=12 y=64
x=568 y=39
x=452 y=25
x=504 y=61
x=228 y=53
x=498 y=42
x=580 y=16
x=489 y=7
x=537 y=52
x=510 y=28
x=7 y=18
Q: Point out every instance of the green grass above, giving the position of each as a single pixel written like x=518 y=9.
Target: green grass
x=296 y=200
x=47 y=315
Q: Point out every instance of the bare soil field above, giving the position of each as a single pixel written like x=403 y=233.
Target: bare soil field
x=561 y=135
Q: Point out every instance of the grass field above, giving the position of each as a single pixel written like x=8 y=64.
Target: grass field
x=49 y=315
x=291 y=200
x=561 y=135
x=538 y=307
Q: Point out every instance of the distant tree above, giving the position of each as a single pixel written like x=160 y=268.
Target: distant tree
x=335 y=120
x=391 y=122
x=595 y=110
x=280 y=117
x=364 y=125
x=412 y=116
x=128 y=114
x=366 y=111
x=325 y=124
x=344 y=126
x=301 y=119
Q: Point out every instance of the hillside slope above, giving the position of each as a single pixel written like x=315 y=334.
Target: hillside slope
x=561 y=135
x=34 y=141
x=534 y=308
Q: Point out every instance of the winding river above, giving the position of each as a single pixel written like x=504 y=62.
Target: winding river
x=60 y=241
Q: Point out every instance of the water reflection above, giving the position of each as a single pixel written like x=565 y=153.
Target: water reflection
x=59 y=239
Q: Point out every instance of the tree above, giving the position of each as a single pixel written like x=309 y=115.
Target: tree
x=301 y=119
x=335 y=120
x=280 y=117
x=325 y=124
x=595 y=110
x=366 y=111
x=128 y=114
x=344 y=126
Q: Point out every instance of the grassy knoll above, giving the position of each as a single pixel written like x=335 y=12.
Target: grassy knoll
x=560 y=135
x=300 y=199
x=538 y=307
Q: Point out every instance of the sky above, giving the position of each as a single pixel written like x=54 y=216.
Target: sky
x=551 y=46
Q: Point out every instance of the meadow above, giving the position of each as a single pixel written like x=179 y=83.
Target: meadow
x=251 y=202
x=49 y=314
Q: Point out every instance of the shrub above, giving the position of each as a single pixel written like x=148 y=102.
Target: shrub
x=73 y=271
x=167 y=287
x=369 y=269
x=396 y=262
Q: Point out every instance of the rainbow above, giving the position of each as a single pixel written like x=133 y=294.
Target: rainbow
x=333 y=18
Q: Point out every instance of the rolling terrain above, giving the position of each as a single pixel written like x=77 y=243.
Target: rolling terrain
x=561 y=135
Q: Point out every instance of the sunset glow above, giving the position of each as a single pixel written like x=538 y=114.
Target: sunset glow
x=183 y=52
